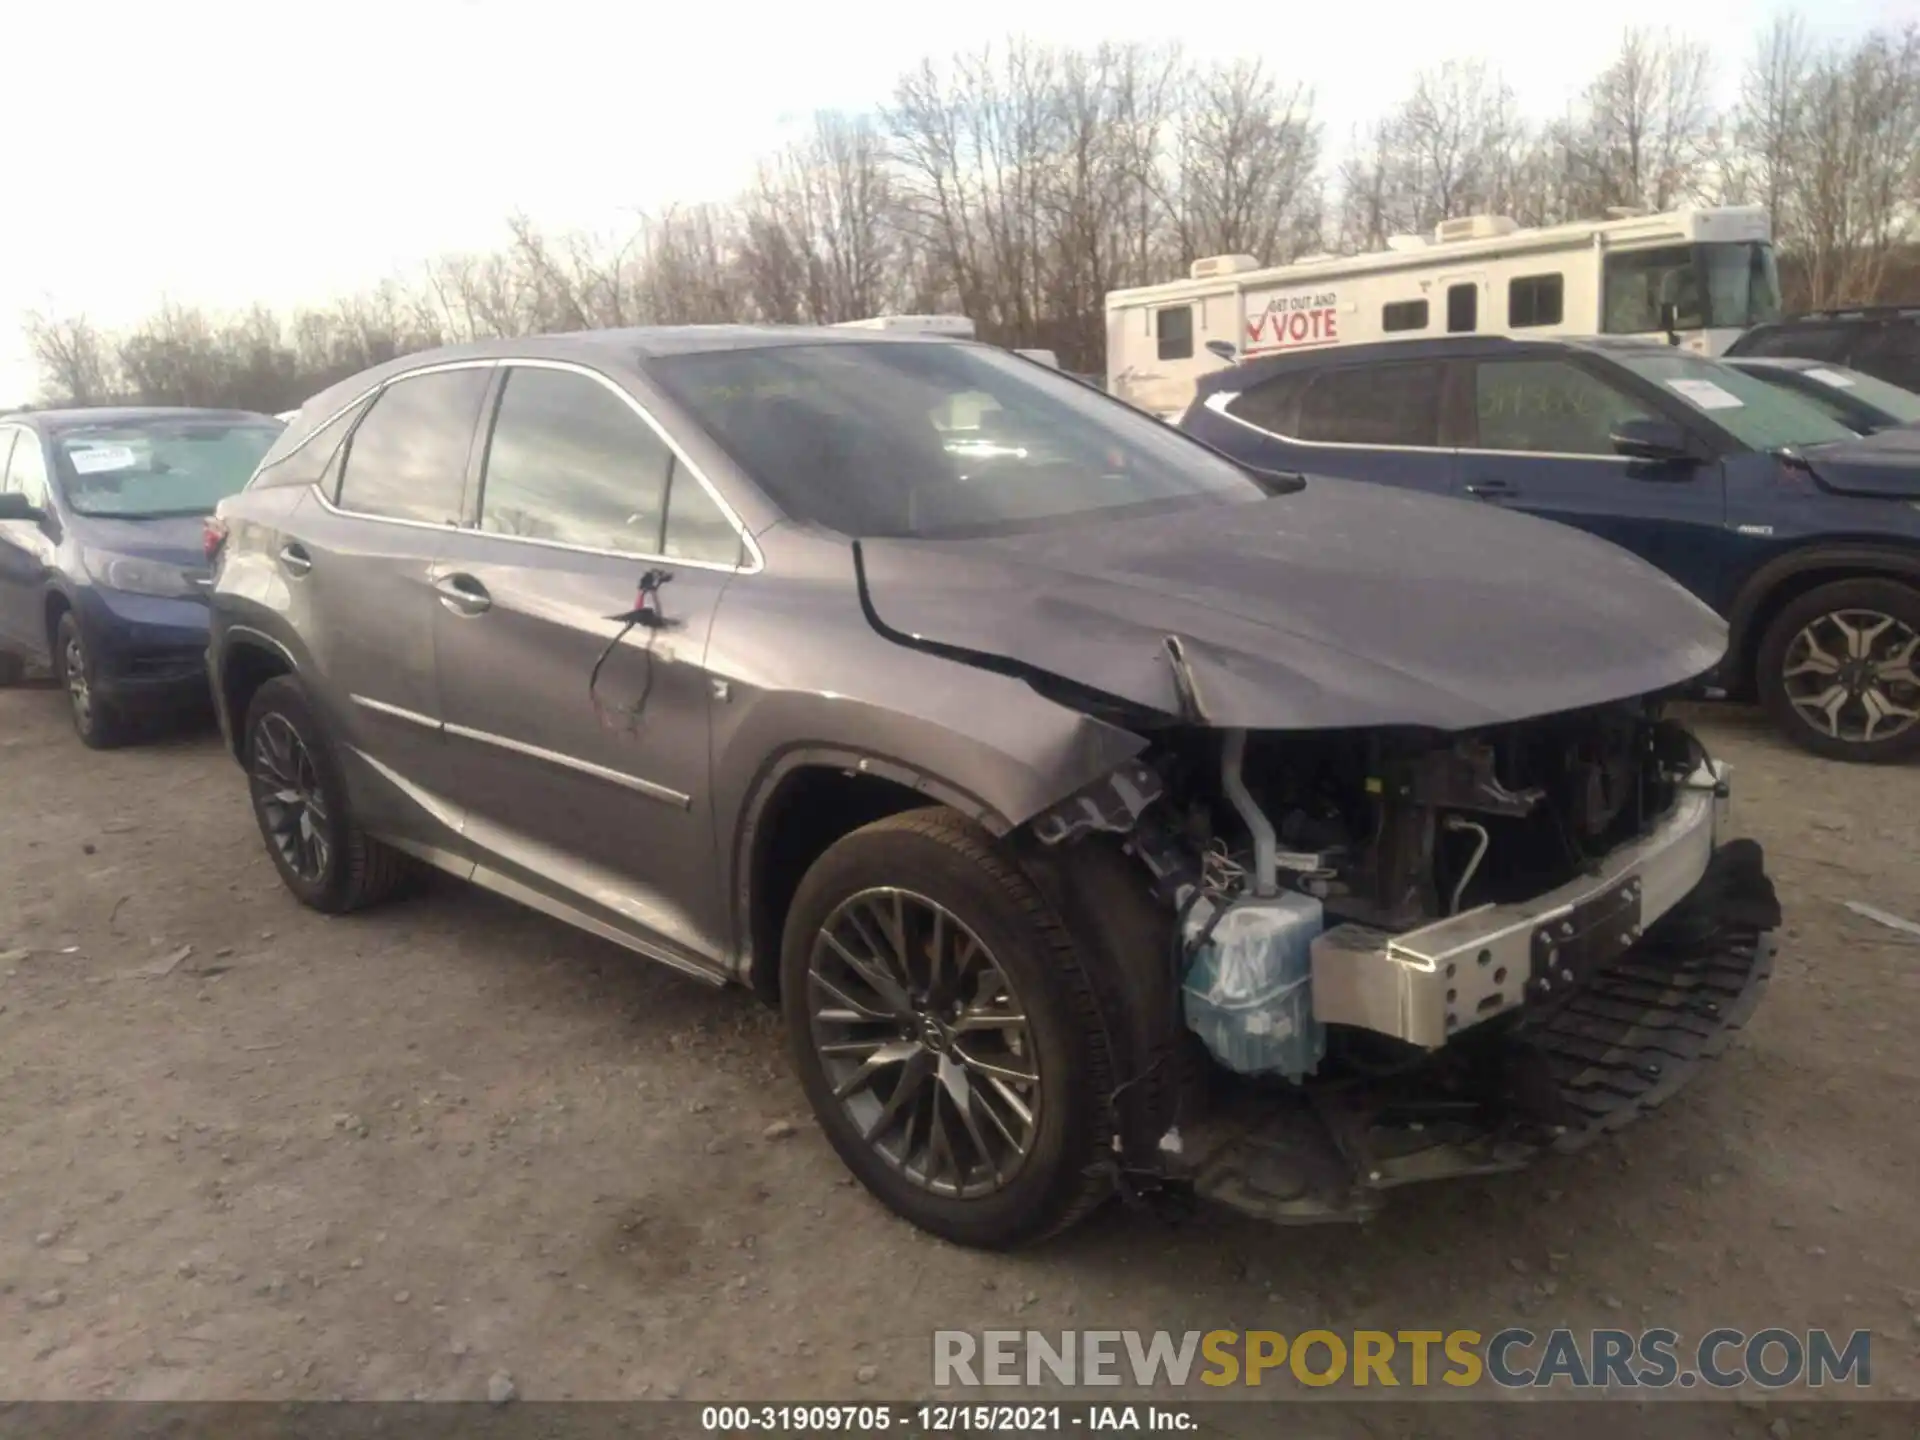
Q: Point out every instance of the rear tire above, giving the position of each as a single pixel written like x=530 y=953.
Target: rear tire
x=100 y=725
x=1815 y=631
x=998 y=930
x=300 y=803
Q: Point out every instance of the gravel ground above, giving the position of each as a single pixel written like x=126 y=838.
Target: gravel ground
x=251 y=1152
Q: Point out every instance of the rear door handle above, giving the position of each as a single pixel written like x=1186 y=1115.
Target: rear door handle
x=294 y=558
x=463 y=594
x=1491 y=489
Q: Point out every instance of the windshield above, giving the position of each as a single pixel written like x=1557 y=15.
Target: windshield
x=147 y=468
x=1719 y=286
x=1760 y=415
x=1843 y=384
x=925 y=440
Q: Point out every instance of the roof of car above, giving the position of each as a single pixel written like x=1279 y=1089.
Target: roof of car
x=53 y=421
x=1450 y=347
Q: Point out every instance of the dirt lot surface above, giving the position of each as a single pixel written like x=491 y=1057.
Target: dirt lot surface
x=398 y=1154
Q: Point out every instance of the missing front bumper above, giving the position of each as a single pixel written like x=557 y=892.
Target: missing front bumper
x=1628 y=1037
x=1426 y=986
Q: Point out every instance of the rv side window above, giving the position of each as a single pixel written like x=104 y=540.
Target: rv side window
x=1274 y=406
x=1403 y=315
x=1373 y=405
x=1173 y=328
x=1534 y=300
x=1463 y=309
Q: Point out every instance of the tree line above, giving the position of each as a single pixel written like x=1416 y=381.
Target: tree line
x=1019 y=184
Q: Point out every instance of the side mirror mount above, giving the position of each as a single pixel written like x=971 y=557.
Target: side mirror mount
x=1659 y=441
x=15 y=506
x=1670 y=321
x=1223 y=349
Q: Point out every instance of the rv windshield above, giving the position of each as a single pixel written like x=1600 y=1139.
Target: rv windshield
x=1722 y=286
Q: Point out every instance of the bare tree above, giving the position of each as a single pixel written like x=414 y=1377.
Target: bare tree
x=1650 y=122
x=76 y=361
x=1248 y=151
x=1770 y=121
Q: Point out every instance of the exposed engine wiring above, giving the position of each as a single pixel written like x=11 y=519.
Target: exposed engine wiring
x=1460 y=823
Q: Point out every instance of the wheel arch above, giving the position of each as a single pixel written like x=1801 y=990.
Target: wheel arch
x=245 y=660
x=803 y=800
x=1784 y=579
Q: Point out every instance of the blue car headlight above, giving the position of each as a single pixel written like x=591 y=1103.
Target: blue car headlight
x=136 y=575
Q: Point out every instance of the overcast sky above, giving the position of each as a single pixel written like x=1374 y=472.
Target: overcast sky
x=221 y=153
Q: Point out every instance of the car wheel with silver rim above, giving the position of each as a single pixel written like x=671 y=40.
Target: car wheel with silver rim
x=945 y=1033
x=1839 y=670
x=98 y=724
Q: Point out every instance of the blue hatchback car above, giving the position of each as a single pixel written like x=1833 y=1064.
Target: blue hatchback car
x=1802 y=533
x=102 y=565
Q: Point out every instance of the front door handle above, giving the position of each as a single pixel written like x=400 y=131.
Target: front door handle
x=294 y=558
x=1491 y=489
x=463 y=594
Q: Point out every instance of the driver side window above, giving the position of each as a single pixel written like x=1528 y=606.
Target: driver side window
x=27 y=469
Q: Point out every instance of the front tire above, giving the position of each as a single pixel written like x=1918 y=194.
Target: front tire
x=1839 y=670
x=945 y=1033
x=99 y=724
x=300 y=803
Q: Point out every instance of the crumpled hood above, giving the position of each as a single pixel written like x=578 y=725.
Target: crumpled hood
x=1345 y=604
x=1884 y=466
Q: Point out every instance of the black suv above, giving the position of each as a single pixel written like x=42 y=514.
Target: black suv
x=1881 y=340
x=1803 y=534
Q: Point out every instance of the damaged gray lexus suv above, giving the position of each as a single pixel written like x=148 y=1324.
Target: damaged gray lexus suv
x=1102 y=816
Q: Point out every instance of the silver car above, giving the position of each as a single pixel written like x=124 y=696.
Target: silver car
x=1104 y=817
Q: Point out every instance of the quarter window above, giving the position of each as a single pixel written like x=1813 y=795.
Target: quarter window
x=1173 y=329
x=1548 y=407
x=1373 y=405
x=408 y=459
x=1275 y=405
x=1534 y=300
x=1403 y=315
x=316 y=462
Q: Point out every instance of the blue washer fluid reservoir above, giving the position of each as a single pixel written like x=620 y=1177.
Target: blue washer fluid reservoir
x=1248 y=991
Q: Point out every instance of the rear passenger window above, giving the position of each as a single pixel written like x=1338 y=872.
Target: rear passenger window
x=1534 y=300
x=408 y=458
x=1403 y=315
x=1173 y=329
x=1548 y=407
x=1373 y=405
x=1275 y=405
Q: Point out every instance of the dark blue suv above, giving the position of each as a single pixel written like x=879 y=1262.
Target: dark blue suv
x=102 y=566
x=1805 y=536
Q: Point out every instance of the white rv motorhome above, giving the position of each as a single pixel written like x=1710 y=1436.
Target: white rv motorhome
x=1480 y=274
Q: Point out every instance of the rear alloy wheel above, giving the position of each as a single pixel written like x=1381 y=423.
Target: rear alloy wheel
x=301 y=806
x=98 y=723
x=1839 y=670
x=945 y=1033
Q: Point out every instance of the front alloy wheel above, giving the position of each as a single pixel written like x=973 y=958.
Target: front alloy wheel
x=1840 y=670
x=925 y=1042
x=946 y=1033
